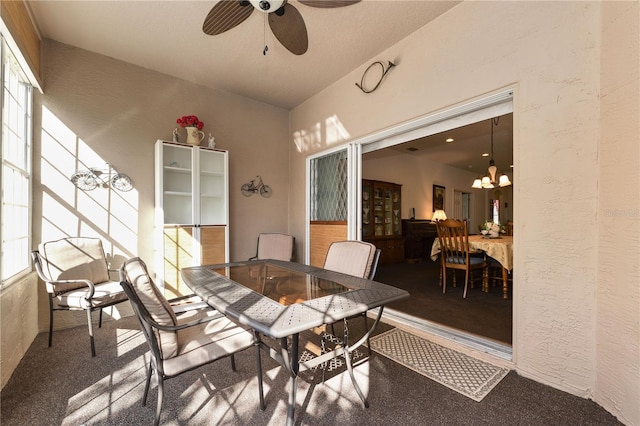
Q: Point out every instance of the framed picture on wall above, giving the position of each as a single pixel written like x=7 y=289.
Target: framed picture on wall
x=438 y=197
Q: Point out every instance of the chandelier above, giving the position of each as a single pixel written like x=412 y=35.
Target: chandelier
x=489 y=181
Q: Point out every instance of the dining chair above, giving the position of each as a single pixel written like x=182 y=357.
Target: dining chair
x=508 y=228
x=76 y=277
x=184 y=342
x=455 y=252
x=357 y=258
x=275 y=246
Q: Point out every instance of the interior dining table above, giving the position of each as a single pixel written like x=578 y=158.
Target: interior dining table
x=282 y=299
x=499 y=248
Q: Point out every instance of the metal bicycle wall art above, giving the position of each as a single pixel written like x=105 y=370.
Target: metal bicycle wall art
x=88 y=180
x=256 y=185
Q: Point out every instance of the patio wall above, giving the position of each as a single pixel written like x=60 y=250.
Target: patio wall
x=565 y=311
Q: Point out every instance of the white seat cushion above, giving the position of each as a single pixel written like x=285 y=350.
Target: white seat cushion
x=74 y=259
x=203 y=342
x=156 y=304
x=106 y=293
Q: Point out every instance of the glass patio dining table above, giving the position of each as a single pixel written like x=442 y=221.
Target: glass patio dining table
x=282 y=299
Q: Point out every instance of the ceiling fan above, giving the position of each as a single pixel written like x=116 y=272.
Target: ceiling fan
x=284 y=19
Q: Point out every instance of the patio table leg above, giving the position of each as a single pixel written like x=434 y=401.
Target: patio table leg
x=293 y=366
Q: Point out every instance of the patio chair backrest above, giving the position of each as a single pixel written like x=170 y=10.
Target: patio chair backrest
x=351 y=257
x=76 y=258
x=275 y=246
x=135 y=272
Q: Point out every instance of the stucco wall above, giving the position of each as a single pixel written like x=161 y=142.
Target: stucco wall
x=550 y=54
x=97 y=109
x=18 y=325
x=618 y=291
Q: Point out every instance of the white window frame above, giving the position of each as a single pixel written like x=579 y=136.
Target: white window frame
x=9 y=277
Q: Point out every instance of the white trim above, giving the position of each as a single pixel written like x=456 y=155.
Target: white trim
x=17 y=53
x=349 y=149
x=499 y=103
x=472 y=112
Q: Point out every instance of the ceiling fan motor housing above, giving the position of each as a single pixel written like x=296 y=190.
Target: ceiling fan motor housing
x=266 y=5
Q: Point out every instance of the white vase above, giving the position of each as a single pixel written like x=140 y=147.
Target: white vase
x=194 y=136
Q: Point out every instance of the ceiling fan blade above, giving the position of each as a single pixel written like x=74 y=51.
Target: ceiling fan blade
x=226 y=15
x=289 y=29
x=328 y=3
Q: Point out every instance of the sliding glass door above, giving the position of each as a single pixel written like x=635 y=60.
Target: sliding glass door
x=333 y=194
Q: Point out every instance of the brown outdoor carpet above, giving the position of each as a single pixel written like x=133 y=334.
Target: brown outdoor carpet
x=464 y=374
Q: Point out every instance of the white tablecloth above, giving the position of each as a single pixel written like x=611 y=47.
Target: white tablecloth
x=501 y=249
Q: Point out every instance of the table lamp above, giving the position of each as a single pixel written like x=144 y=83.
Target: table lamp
x=438 y=215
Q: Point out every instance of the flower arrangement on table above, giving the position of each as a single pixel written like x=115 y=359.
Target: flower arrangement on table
x=190 y=121
x=491 y=228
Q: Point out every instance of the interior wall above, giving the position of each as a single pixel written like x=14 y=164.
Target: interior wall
x=549 y=53
x=98 y=109
x=417 y=175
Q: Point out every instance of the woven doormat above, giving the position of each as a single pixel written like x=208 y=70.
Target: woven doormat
x=466 y=375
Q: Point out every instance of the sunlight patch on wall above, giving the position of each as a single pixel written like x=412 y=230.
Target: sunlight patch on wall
x=335 y=131
x=103 y=212
x=312 y=140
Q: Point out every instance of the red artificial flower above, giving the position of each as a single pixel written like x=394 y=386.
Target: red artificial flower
x=190 y=121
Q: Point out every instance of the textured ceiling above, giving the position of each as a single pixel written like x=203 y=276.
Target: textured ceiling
x=167 y=36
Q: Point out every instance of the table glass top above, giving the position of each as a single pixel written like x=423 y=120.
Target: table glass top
x=281 y=284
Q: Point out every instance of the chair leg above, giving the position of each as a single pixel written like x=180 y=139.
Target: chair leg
x=160 y=398
x=93 y=347
x=100 y=319
x=233 y=362
x=466 y=283
x=50 y=321
x=147 y=384
x=444 y=279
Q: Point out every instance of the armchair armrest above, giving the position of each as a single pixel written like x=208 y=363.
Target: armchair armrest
x=89 y=284
x=182 y=326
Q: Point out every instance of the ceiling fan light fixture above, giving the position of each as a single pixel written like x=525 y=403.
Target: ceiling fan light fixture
x=267 y=6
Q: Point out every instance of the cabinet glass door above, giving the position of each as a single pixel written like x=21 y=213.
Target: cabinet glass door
x=378 y=211
x=397 y=223
x=388 y=213
x=177 y=196
x=366 y=209
x=212 y=188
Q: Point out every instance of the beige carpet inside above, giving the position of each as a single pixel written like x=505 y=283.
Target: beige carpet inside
x=466 y=375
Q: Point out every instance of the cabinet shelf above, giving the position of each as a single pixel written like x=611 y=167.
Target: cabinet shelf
x=192 y=211
x=178 y=193
x=210 y=173
x=381 y=204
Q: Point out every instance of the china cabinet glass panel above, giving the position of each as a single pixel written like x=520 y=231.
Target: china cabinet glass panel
x=381 y=219
x=191 y=211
